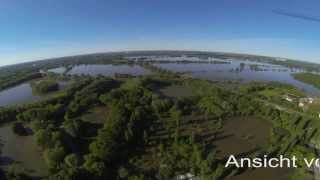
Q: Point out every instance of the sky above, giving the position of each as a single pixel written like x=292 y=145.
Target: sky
x=38 y=29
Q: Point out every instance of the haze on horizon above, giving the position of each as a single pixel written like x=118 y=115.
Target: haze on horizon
x=39 y=29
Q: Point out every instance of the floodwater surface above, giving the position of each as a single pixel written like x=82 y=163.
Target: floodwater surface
x=244 y=71
x=22 y=152
x=108 y=70
x=22 y=94
x=241 y=137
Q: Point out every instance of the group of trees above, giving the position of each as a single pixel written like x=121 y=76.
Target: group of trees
x=130 y=117
x=59 y=132
x=45 y=86
x=89 y=95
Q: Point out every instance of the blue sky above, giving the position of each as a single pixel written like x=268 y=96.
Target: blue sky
x=36 y=29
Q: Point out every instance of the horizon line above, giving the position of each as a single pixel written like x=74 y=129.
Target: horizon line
x=150 y=50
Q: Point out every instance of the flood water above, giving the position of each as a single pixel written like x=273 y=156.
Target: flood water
x=58 y=70
x=21 y=151
x=18 y=95
x=235 y=71
x=251 y=133
x=108 y=70
x=244 y=71
x=22 y=94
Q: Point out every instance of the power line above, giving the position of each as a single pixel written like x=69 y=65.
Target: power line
x=296 y=15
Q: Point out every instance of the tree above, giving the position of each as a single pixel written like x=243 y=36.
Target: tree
x=123 y=172
x=175 y=114
x=42 y=138
x=105 y=145
x=72 y=161
x=72 y=127
x=54 y=156
x=12 y=174
x=93 y=165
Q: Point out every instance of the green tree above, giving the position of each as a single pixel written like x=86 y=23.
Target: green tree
x=93 y=165
x=72 y=127
x=54 y=156
x=42 y=138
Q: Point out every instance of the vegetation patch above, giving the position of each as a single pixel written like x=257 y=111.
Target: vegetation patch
x=45 y=86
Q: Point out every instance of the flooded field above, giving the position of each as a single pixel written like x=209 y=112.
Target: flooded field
x=241 y=136
x=18 y=95
x=22 y=152
x=244 y=71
